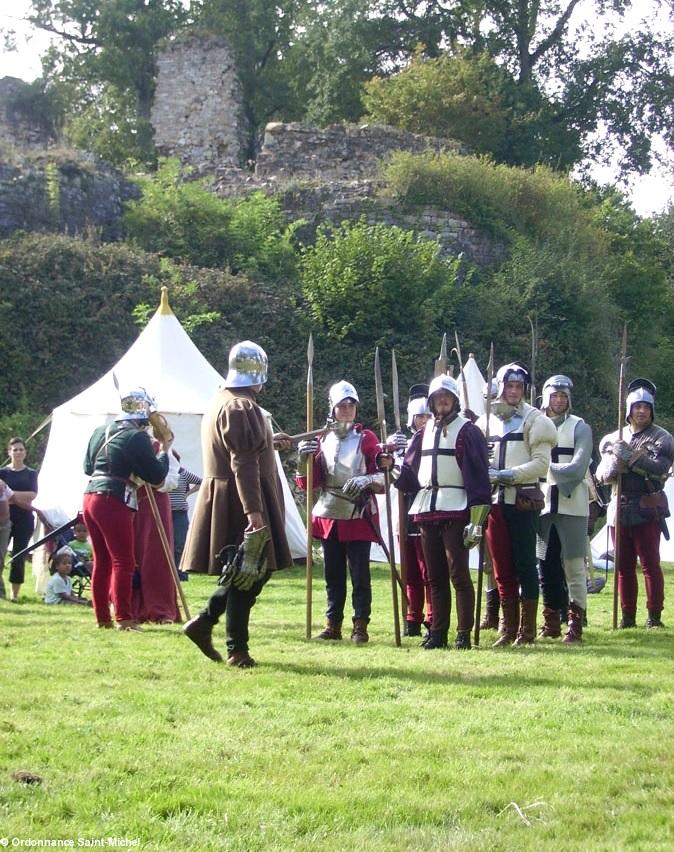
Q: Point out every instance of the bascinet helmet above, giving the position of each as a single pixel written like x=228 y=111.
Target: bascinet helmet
x=640 y=390
x=136 y=405
x=341 y=391
x=442 y=383
x=247 y=365
x=418 y=405
x=556 y=384
x=512 y=373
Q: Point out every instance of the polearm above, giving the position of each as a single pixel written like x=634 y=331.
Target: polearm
x=381 y=417
x=310 y=483
x=619 y=480
x=534 y=352
x=441 y=363
x=402 y=510
x=464 y=383
x=480 y=558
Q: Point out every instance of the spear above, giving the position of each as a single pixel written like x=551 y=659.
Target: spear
x=619 y=482
x=402 y=510
x=310 y=481
x=534 y=352
x=381 y=417
x=441 y=360
x=464 y=383
x=480 y=559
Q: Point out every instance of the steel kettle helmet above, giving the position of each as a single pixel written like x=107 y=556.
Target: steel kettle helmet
x=558 y=383
x=247 y=365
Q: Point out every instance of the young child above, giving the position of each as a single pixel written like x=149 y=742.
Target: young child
x=81 y=547
x=60 y=587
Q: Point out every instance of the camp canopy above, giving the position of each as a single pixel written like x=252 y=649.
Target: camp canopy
x=165 y=362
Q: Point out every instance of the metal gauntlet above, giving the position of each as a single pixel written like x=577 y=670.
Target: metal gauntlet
x=473 y=531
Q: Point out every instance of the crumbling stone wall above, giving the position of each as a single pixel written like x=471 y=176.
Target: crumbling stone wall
x=71 y=197
x=340 y=152
x=197 y=111
x=22 y=122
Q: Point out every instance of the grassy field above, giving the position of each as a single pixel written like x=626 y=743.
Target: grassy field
x=141 y=738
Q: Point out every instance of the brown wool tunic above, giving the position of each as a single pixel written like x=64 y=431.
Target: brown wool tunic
x=240 y=477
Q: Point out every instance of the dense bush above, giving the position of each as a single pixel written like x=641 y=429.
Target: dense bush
x=181 y=219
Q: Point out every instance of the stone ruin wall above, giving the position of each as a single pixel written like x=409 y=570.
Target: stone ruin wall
x=18 y=126
x=197 y=112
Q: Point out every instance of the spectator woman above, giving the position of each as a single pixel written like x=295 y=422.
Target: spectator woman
x=23 y=482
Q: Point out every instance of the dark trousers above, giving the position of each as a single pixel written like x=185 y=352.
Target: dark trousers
x=236 y=606
x=22 y=530
x=180 y=526
x=511 y=537
x=641 y=541
x=552 y=577
x=336 y=554
x=447 y=559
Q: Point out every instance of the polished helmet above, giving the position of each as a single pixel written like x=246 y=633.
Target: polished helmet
x=442 y=383
x=640 y=390
x=136 y=404
x=556 y=384
x=341 y=391
x=418 y=405
x=512 y=373
x=247 y=365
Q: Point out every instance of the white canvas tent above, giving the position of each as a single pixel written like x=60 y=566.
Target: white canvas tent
x=475 y=384
x=165 y=362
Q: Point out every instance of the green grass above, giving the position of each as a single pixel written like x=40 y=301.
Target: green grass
x=332 y=747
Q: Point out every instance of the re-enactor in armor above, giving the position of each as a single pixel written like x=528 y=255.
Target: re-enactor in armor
x=345 y=515
x=446 y=467
x=240 y=504
x=562 y=539
x=522 y=439
x=642 y=460
x=118 y=457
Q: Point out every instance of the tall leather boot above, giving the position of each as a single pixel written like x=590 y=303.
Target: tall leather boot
x=509 y=623
x=359 y=635
x=492 y=605
x=575 y=623
x=527 y=631
x=332 y=631
x=552 y=624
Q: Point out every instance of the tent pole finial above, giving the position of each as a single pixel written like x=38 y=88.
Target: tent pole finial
x=164 y=307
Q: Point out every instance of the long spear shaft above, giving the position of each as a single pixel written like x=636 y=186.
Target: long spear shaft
x=402 y=512
x=381 y=417
x=480 y=559
x=534 y=352
x=619 y=480
x=310 y=485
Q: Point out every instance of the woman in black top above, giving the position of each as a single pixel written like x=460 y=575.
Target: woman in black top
x=23 y=481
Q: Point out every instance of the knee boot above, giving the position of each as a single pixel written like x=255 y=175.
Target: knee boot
x=527 y=631
x=490 y=617
x=200 y=630
x=552 y=626
x=575 y=622
x=509 y=623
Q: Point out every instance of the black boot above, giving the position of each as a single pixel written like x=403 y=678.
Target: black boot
x=436 y=639
x=462 y=642
x=654 y=622
x=200 y=630
x=412 y=628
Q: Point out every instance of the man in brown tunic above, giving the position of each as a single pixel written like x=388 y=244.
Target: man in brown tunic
x=240 y=492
